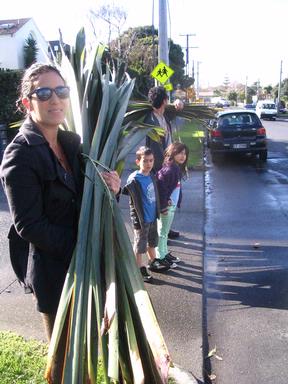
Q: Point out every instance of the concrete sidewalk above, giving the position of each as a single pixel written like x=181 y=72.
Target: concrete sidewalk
x=176 y=294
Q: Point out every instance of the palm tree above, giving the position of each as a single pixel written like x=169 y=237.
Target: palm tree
x=30 y=51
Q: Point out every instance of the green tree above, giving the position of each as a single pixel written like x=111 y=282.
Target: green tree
x=251 y=91
x=30 y=51
x=268 y=90
x=233 y=96
x=137 y=48
x=284 y=87
x=284 y=90
x=218 y=92
x=241 y=95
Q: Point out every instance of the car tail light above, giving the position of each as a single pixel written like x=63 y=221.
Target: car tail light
x=216 y=133
x=261 y=131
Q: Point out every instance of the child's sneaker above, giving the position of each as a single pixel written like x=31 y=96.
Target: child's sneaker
x=147 y=278
x=170 y=262
x=172 y=258
x=158 y=265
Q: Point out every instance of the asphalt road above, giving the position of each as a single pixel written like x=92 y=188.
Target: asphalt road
x=246 y=266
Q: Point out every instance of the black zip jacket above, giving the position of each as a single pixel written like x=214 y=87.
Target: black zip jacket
x=133 y=189
x=44 y=202
x=157 y=148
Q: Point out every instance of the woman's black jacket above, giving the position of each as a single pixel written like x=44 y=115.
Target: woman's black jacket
x=44 y=202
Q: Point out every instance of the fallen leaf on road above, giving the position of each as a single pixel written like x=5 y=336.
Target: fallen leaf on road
x=211 y=353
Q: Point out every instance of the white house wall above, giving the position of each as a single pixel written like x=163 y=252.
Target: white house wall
x=8 y=52
x=12 y=48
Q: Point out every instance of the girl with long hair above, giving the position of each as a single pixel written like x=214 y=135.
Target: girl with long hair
x=169 y=185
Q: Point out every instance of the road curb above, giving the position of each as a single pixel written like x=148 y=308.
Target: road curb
x=180 y=376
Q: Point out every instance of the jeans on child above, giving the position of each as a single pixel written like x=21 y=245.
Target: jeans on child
x=163 y=226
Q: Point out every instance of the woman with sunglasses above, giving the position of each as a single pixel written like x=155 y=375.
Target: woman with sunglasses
x=42 y=179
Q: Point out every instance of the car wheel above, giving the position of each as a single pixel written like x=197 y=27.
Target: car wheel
x=263 y=155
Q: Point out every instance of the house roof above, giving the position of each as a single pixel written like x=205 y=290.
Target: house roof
x=11 y=26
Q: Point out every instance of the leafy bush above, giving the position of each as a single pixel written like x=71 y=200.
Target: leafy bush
x=21 y=361
x=9 y=83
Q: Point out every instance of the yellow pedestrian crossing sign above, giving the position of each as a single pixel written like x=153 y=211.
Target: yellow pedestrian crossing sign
x=162 y=72
x=168 y=87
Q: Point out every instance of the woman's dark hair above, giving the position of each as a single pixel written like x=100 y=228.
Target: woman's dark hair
x=156 y=96
x=32 y=74
x=172 y=150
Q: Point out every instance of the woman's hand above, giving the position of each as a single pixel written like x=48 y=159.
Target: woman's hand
x=113 y=181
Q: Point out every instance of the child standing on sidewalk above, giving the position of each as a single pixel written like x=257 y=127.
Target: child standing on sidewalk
x=169 y=187
x=144 y=211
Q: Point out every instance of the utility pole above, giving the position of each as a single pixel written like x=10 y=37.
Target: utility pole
x=279 y=88
x=197 y=84
x=163 y=54
x=153 y=42
x=246 y=89
x=187 y=51
x=193 y=72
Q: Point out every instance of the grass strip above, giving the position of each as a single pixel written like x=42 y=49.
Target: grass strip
x=23 y=361
x=192 y=134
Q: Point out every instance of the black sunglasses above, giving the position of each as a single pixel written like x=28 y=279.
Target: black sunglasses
x=45 y=93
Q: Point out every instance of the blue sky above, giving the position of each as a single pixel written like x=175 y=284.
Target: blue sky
x=235 y=39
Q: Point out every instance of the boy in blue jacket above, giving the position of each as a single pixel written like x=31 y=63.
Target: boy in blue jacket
x=144 y=211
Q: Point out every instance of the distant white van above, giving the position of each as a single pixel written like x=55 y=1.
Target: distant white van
x=266 y=109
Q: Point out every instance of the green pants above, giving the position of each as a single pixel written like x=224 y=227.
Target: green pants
x=163 y=227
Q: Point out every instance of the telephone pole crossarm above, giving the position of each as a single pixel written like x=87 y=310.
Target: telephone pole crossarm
x=187 y=50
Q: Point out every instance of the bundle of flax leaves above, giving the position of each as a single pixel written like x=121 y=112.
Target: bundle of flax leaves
x=104 y=303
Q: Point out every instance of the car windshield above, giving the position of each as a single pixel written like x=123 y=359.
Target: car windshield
x=239 y=119
x=269 y=106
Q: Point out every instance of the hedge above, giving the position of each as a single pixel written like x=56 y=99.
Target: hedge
x=9 y=83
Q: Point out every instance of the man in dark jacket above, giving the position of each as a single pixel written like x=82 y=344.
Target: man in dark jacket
x=158 y=98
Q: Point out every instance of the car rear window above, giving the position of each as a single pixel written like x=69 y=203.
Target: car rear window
x=239 y=119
